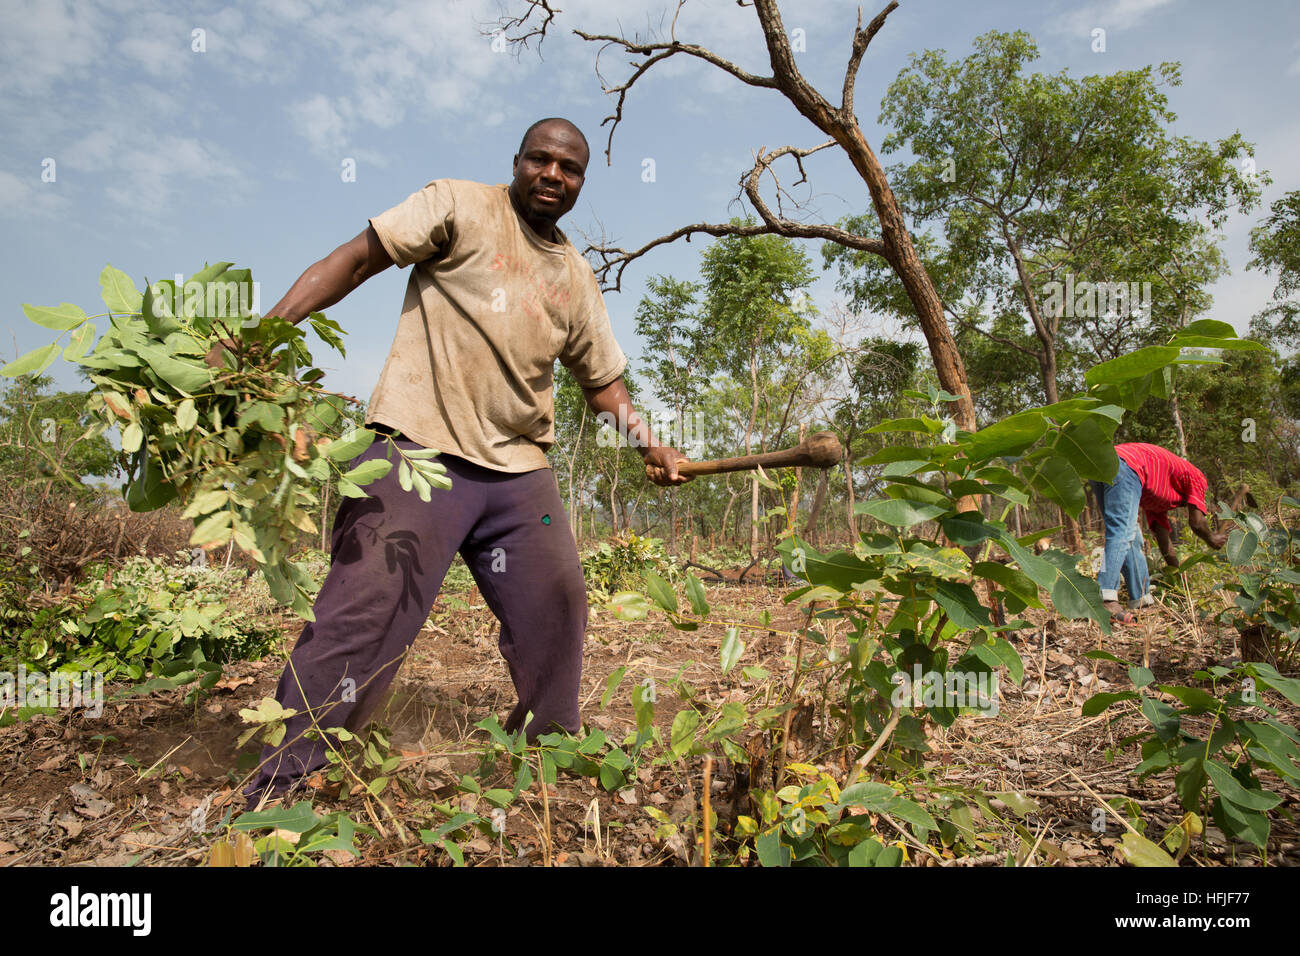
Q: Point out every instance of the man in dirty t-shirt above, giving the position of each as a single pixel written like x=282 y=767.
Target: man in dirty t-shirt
x=497 y=293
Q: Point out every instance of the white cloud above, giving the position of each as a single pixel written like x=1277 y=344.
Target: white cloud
x=158 y=42
x=1109 y=15
x=43 y=41
x=319 y=121
x=27 y=197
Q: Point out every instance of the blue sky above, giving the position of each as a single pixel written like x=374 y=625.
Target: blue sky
x=166 y=157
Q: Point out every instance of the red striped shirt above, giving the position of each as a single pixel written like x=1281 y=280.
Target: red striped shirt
x=1167 y=481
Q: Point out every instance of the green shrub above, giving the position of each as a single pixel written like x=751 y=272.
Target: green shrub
x=168 y=622
x=622 y=563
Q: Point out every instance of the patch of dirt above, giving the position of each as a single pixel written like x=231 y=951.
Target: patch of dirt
x=126 y=786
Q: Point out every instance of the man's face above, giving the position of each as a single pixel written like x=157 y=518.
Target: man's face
x=548 y=175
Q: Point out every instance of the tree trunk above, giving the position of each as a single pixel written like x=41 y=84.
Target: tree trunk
x=848 y=478
x=793 y=516
x=749 y=435
x=1073 y=541
x=842 y=126
x=726 y=512
x=810 y=527
x=1178 y=419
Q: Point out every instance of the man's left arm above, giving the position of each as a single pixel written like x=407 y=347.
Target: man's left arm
x=661 y=459
x=1166 y=543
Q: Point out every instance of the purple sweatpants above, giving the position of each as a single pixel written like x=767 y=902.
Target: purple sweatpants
x=389 y=554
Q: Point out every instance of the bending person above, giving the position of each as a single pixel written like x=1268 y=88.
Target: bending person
x=1155 y=481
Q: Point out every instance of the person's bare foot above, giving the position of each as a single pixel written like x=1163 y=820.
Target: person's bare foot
x=1119 y=614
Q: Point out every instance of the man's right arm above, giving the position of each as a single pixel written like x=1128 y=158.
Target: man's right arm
x=1200 y=526
x=328 y=281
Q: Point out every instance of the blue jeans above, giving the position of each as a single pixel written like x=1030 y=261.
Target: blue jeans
x=1124 y=553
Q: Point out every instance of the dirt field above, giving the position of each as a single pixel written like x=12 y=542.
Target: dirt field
x=121 y=790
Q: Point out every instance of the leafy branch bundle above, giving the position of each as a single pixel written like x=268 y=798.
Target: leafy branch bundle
x=243 y=445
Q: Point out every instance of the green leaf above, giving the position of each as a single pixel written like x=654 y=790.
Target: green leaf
x=156 y=310
x=1195 y=699
x=682 y=736
x=1162 y=717
x=695 y=593
x=1007 y=656
x=868 y=793
x=187 y=377
x=922 y=425
x=187 y=415
x=611 y=685
x=37 y=360
x=1011 y=436
x=118 y=291
x=643 y=706
x=1231 y=790
x=893 y=453
x=132 y=438
x=963 y=606
x=1288 y=687
x=1057 y=481
x=839 y=569
x=296 y=819
x=1074 y=595
x=59 y=318
x=1206 y=342
x=79 y=342
x=1207 y=327
x=1088 y=450
x=1140 y=851
x=215 y=529
x=1243 y=824
x=1098 y=702
x=899 y=512
x=1241 y=546
x=368 y=471
x=1012 y=580
x=348 y=490
x=941 y=562
x=907 y=810
x=661 y=592
x=629 y=606
x=771 y=851
x=1021 y=804
x=1134 y=365
x=345 y=449
x=732 y=648
x=330 y=332
x=966 y=529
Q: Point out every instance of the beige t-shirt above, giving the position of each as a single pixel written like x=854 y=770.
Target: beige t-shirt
x=489 y=308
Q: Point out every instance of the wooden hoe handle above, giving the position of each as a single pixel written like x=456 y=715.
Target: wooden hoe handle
x=818 y=450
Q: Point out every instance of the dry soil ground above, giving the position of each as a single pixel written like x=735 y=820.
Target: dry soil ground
x=122 y=789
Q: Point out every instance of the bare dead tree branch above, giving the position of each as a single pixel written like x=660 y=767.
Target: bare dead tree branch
x=861 y=40
x=520 y=41
x=895 y=244
x=654 y=53
x=612 y=259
